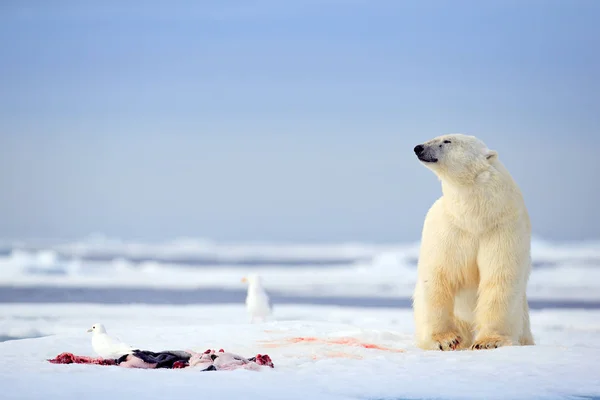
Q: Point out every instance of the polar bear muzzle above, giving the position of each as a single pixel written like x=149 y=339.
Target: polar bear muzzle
x=425 y=154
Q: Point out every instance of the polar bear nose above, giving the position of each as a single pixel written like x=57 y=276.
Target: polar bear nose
x=419 y=149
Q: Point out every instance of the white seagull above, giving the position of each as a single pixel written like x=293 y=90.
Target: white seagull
x=258 y=303
x=106 y=346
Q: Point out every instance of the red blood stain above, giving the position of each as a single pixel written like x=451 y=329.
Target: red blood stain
x=264 y=360
x=70 y=358
x=340 y=341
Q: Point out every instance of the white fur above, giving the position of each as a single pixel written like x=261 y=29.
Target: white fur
x=474 y=262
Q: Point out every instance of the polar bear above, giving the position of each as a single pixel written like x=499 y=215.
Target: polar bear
x=474 y=260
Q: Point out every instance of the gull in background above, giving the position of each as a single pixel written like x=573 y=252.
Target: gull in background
x=258 y=303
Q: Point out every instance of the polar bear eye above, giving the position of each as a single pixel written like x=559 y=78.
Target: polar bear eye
x=447 y=141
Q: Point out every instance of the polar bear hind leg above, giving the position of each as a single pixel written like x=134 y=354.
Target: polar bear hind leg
x=500 y=313
x=526 y=338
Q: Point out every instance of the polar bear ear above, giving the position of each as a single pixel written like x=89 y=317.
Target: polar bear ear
x=491 y=154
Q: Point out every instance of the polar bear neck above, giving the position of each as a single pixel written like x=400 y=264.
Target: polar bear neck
x=488 y=199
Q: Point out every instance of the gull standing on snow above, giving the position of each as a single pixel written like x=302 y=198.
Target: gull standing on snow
x=258 y=303
x=106 y=346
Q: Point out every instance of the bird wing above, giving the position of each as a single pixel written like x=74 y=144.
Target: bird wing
x=267 y=298
x=117 y=345
x=260 y=303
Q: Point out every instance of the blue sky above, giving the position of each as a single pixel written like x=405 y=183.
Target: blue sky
x=288 y=121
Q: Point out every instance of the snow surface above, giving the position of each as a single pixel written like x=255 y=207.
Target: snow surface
x=567 y=271
x=563 y=364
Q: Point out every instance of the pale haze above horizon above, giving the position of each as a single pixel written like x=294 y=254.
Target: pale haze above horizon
x=288 y=121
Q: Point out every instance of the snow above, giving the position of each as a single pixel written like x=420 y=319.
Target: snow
x=203 y=277
x=563 y=364
x=566 y=271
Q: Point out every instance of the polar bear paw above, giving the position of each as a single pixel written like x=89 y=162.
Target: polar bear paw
x=490 y=342
x=447 y=340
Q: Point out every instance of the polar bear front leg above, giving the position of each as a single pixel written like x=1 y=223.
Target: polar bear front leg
x=503 y=262
x=434 y=299
x=434 y=328
x=442 y=268
x=439 y=311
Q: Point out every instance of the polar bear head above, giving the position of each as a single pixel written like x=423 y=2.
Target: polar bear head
x=456 y=158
